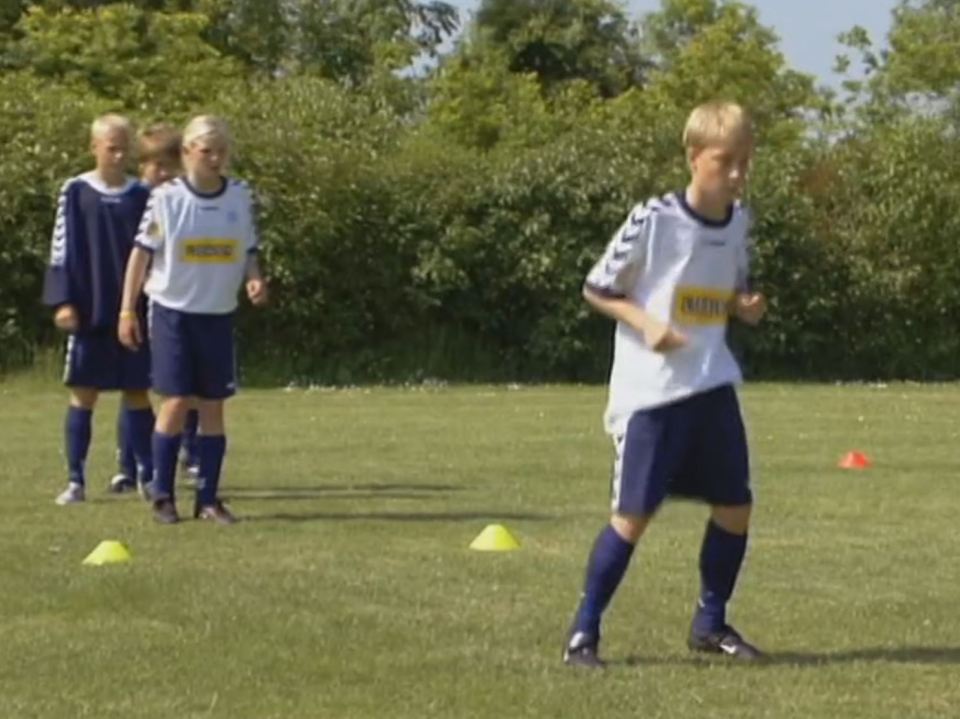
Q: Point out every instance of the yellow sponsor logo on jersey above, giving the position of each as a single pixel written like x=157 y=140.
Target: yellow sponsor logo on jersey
x=702 y=306
x=217 y=250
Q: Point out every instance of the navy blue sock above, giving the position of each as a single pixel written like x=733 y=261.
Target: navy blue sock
x=77 y=431
x=608 y=563
x=140 y=436
x=126 y=457
x=190 y=444
x=720 y=558
x=165 y=450
x=211 y=449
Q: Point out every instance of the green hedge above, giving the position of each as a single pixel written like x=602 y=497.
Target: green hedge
x=398 y=253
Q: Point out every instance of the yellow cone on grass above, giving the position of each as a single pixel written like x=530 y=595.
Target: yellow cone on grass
x=108 y=552
x=494 y=538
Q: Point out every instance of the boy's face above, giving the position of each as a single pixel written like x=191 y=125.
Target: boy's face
x=111 y=150
x=719 y=170
x=207 y=157
x=156 y=172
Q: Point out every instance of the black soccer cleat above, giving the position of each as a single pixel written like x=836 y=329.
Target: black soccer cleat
x=581 y=651
x=727 y=641
x=217 y=512
x=121 y=483
x=165 y=511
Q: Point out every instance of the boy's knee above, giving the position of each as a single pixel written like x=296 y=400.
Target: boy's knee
x=732 y=519
x=136 y=399
x=83 y=397
x=629 y=527
x=176 y=403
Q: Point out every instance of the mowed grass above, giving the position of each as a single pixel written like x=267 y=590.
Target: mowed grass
x=350 y=591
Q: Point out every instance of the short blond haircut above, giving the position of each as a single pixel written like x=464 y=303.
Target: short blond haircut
x=204 y=126
x=715 y=122
x=159 y=142
x=111 y=121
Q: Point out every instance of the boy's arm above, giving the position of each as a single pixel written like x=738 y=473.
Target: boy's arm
x=256 y=285
x=748 y=306
x=658 y=335
x=610 y=280
x=129 y=331
x=57 y=292
x=149 y=239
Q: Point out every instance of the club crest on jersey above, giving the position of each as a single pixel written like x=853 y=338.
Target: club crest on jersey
x=232 y=217
x=217 y=250
x=702 y=306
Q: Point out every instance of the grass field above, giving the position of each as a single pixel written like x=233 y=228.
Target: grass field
x=350 y=592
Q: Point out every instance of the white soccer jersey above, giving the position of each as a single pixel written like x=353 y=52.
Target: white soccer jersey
x=682 y=269
x=200 y=244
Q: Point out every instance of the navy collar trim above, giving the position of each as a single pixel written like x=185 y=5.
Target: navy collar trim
x=682 y=199
x=206 y=195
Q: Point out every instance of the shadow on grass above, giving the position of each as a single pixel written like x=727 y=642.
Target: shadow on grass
x=360 y=489
x=268 y=495
x=451 y=516
x=896 y=655
x=899 y=655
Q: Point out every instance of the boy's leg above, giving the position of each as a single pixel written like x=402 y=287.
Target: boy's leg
x=77 y=433
x=644 y=460
x=213 y=341
x=721 y=555
x=88 y=364
x=126 y=459
x=165 y=448
x=722 y=464
x=212 y=444
x=606 y=567
x=172 y=372
x=190 y=452
x=139 y=420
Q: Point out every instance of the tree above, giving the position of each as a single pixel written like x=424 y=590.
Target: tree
x=918 y=70
x=344 y=40
x=709 y=49
x=154 y=62
x=562 y=40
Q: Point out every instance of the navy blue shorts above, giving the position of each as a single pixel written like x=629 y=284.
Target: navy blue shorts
x=695 y=448
x=96 y=359
x=192 y=355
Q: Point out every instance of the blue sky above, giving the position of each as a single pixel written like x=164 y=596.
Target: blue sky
x=807 y=28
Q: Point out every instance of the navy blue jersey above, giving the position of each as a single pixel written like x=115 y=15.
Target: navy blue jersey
x=92 y=240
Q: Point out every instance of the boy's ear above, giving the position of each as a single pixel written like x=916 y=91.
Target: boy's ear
x=692 y=154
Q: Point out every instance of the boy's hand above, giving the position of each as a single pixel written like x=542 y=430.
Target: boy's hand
x=129 y=332
x=662 y=337
x=749 y=307
x=65 y=318
x=257 y=291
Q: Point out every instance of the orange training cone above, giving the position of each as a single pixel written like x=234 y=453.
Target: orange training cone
x=855 y=460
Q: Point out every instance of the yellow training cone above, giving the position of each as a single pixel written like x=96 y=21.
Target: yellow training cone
x=108 y=552
x=494 y=538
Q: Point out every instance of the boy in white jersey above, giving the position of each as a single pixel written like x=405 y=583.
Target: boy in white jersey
x=199 y=232
x=670 y=277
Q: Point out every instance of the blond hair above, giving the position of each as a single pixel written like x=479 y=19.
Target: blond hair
x=111 y=121
x=159 y=142
x=206 y=126
x=715 y=122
